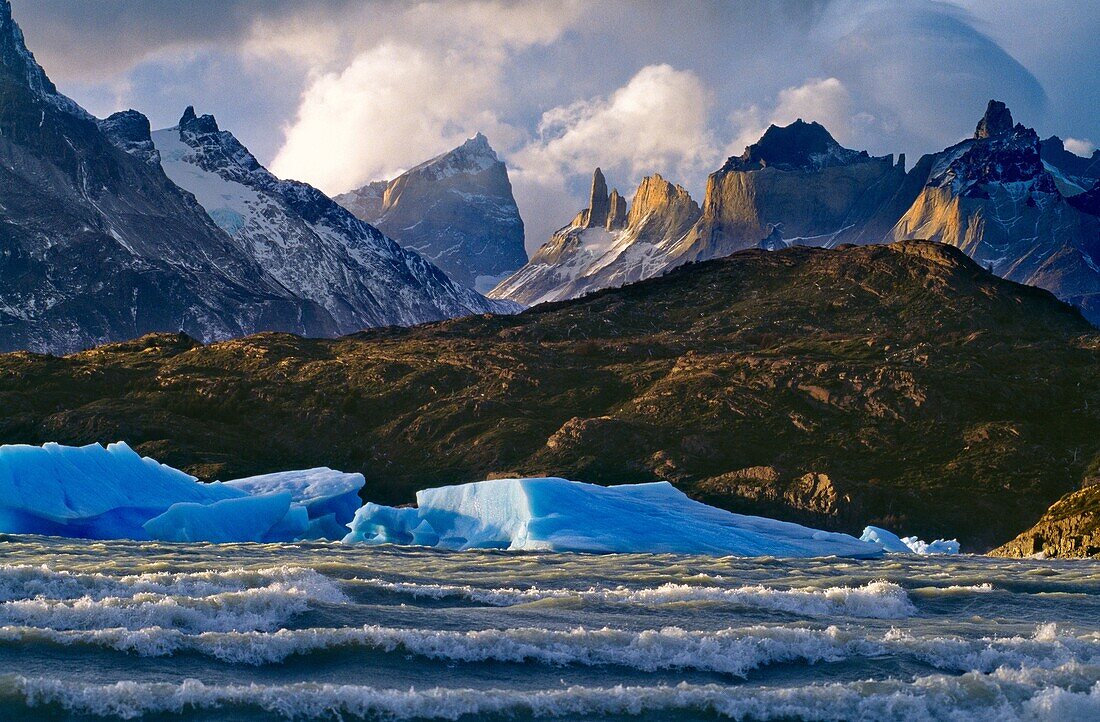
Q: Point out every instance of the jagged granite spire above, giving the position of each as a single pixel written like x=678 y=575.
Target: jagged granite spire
x=616 y=211
x=598 y=201
x=996 y=121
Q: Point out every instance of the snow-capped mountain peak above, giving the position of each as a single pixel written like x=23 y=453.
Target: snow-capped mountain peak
x=304 y=239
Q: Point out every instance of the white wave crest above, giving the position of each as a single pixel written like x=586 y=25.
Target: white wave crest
x=877 y=600
x=1047 y=648
x=1067 y=693
x=28 y=582
x=730 y=651
x=734 y=651
x=179 y=602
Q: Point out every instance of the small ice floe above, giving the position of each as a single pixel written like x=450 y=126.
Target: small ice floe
x=908 y=545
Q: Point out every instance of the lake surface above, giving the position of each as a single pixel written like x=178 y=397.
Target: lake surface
x=324 y=631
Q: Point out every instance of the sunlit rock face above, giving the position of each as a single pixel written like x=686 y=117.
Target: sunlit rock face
x=795 y=186
x=611 y=246
x=457 y=210
x=994 y=197
x=1070 y=528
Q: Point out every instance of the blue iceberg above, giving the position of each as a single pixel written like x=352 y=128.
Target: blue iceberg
x=91 y=491
x=329 y=497
x=560 y=515
x=265 y=518
x=96 y=492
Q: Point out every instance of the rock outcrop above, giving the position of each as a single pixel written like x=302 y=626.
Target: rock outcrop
x=1070 y=528
x=457 y=210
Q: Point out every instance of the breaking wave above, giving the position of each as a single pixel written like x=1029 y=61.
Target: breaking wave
x=23 y=581
x=876 y=600
x=208 y=601
x=1069 y=692
x=733 y=651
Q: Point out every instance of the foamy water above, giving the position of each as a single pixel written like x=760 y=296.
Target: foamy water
x=314 y=631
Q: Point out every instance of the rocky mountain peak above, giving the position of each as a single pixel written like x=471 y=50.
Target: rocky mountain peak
x=616 y=211
x=479 y=144
x=202 y=124
x=18 y=62
x=798 y=146
x=129 y=130
x=996 y=121
x=472 y=157
x=598 y=203
x=995 y=155
x=456 y=209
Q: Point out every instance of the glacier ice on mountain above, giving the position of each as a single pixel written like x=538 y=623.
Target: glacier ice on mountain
x=560 y=515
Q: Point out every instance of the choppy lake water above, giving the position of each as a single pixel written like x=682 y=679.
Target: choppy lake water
x=324 y=631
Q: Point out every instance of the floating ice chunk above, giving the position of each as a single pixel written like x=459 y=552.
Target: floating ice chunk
x=91 y=491
x=560 y=515
x=909 y=545
x=331 y=497
x=250 y=518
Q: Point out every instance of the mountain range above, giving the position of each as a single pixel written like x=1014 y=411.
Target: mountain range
x=1010 y=201
x=98 y=244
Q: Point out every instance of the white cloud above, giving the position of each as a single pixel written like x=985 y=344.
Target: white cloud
x=659 y=121
x=429 y=80
x=390 y=109
x=1080 y=146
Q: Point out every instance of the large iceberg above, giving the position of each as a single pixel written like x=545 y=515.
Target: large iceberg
x=561 y=515
x=91 y=491
x=891 y=542
x=97 y=492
